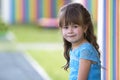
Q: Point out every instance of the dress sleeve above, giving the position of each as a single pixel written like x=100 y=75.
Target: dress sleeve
x=89 y=55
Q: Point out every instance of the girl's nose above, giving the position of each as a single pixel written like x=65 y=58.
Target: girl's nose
x=70 y=30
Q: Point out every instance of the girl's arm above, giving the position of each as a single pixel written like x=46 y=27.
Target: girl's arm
x=84 y=69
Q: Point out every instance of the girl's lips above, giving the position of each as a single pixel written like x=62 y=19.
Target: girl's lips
x=71 y=35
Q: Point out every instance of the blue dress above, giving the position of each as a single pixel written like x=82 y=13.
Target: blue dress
x=85 y=51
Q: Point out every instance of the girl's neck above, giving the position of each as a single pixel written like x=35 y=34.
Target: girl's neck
x=75 y=45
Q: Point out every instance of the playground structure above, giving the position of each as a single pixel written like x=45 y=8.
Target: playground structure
x=109 y=37
x=31 y=11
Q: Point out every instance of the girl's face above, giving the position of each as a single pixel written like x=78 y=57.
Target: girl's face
x=73 y=33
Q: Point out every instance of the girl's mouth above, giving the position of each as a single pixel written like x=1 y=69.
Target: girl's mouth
x=71 y=36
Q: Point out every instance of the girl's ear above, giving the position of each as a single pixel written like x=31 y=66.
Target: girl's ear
x=85 y=29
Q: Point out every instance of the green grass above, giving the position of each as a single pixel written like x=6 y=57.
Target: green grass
x=33 y=33
x=51 y=61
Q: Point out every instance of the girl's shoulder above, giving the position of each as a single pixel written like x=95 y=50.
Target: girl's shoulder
x=87 y=51
x=87 y=46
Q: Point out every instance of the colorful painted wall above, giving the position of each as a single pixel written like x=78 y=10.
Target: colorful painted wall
x=107 y=15
x=92 y=7
x=0 y=8
x=25 y=11
x=111 y=39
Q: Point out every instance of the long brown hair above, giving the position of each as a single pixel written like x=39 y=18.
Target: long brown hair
x=77 y=14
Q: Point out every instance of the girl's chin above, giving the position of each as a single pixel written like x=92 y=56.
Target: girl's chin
x=72 y=41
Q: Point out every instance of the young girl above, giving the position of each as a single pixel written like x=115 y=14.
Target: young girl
x=80 y=46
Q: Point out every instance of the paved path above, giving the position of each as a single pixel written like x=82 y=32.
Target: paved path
x=39 y=46
x=16 y=66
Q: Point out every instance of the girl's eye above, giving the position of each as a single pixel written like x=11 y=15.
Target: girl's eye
x=75 y=26
x=65 y=27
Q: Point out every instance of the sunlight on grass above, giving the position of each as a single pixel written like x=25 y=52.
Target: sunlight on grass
x=51 y=61
x=33 y=33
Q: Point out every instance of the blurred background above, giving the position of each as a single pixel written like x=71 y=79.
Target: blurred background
x=31 y=27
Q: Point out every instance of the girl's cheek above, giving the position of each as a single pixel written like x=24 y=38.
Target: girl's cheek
x=63 y=31
x=63 y=34
x=78 y=31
